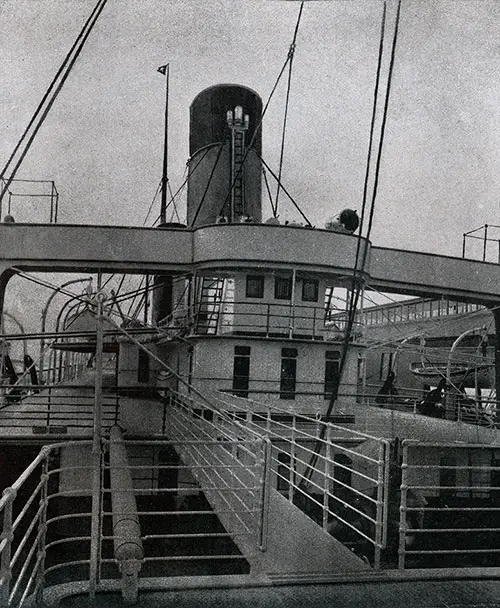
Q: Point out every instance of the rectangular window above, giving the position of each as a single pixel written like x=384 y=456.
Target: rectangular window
x=288 y=373
x=495 y=479
x=241 y=370
x=447 y=476
x=332 y=367
x=342 y=474
x=385 y=365
x=283 y=473
x=283 y=288
x=255 y=286
x=143 y=367
x=310 y=290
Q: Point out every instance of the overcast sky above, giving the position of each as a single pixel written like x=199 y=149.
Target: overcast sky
x=102 y=142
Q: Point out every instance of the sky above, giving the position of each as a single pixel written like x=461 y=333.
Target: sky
x=102 y=142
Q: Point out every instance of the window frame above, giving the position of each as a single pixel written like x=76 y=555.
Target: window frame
x=315 y=287
x=283 y=281
x=259 y=284
x=241 y=382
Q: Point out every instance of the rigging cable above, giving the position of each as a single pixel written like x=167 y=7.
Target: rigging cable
x=65 y=70
x=153 y=202
x=172 y=202
x=266 y=181
x=355 y=293
x=187 y=177
x=285 y=191
x=356 y=289
x=359 y=269
x=291 y=53
x=256 y=130
x=209 y=181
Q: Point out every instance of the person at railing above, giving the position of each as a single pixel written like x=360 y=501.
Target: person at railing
x=29 y=367
x=387 y=391
x=432 y=404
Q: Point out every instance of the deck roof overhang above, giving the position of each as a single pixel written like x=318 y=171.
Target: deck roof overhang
x=86 y=248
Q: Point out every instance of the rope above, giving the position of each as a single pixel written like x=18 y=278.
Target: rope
x=356 y=290
x=266 y=181
x=384 y=120
x=172 y=202
x=152 y=203
x=65 y=70
x=291 y=53
x=198 y=209
x=285 y=191
x=372 y=125
x=256 y=130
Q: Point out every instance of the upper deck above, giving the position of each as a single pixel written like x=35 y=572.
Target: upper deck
x=51 y=247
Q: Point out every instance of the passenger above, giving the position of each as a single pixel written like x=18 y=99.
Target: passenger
x=387 y=391
x=432 y=404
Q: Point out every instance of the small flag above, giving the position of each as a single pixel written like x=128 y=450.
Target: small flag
x=163 y=69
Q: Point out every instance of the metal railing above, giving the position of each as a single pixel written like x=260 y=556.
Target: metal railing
x=319 y=468
x=323 y=469
x=48 y=520
x=456 y=524
x=263 y=318
x=454 y=407
x=31 y=191
x=23 y=509
x=415 y=310
x=483 y=243
x=231 y=463
x=56 y=409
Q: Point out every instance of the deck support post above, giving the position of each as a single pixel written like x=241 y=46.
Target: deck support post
x=97 y=452
x=496 y=315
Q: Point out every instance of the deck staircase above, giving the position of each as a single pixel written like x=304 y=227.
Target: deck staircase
x=210 y=305
x=233 y=463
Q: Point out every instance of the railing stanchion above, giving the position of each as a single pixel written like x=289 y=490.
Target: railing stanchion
x=293 y=457
x=382 y=487
x=265 y=493
x=8 y=536
x=96 y=451
x=44 y=501
x=49 y=405
x=402 y=508
x=387 y=480
x=327 y=476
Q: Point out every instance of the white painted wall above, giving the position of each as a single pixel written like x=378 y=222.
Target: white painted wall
x=213 y=366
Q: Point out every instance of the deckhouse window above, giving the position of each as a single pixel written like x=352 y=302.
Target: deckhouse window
x=342 y=474
x=142 y=367
x=283 y=472
x=283 y=288
x=310 y=290
x=332 y=367
x=386 y=361
x=288 y=373
x=241 y=370
x=495 y=479
x=447 y=476
x=255 y=286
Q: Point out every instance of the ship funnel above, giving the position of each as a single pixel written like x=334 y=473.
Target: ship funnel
x=225 y=145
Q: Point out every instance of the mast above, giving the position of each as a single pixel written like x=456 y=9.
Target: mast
x=165 y=70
